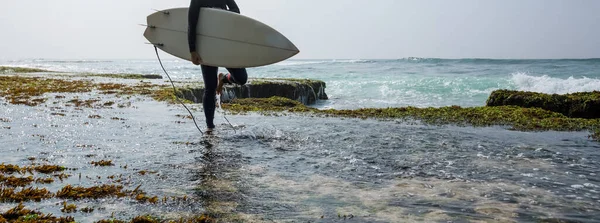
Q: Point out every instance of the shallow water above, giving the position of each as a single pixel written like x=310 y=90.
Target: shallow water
x=300 y=168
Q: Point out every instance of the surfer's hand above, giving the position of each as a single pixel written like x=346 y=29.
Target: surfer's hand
x=196 y=59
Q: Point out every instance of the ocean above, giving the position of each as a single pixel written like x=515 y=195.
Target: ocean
x=418 y=82
x=300 y=168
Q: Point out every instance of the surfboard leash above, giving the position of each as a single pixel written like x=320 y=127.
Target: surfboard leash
x=174 y=88
x=223 y=113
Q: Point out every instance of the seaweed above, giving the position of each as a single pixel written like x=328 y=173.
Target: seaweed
x=10 y=169
x=68 y=208
x=141 y=197
x=26 y=194
x=596 y=135
x=83 y=103
x=273 y=104
x=102 y=163
x=20 y=214
x=95 y=192
x=519 y=118
x=30 y=90
x=48 y=169
x=45 y=180
x=152 y=219
x=87 y=210
x=575 y=105
x=13 y=181
x=21 y=90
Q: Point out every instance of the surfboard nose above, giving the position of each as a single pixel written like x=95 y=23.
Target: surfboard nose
x=295 y=48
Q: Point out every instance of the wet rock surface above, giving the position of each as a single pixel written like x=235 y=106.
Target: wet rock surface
x=576 y=105
x=303 y=91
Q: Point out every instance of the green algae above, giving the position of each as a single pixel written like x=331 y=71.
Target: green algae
x=575 y=105
x=524 y=119
x=30 y=90
x=167 y=94
x=273 y=104
x=21 y=89
x=4 y=69
x=24 y=90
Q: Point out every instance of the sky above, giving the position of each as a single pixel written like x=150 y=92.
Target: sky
x=321 y=29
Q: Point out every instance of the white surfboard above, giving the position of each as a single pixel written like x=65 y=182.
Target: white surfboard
x=224 y=39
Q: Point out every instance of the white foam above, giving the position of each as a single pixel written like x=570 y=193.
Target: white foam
x=552 y=85
x=299 y=63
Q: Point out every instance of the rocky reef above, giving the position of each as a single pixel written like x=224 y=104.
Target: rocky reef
x=302 y=90
x=576 y=105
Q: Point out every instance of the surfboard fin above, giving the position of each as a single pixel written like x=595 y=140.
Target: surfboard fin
x=156 y=44
x=163 y=11
x=149 y=26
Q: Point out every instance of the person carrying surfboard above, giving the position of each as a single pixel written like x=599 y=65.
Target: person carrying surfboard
x=213 y=84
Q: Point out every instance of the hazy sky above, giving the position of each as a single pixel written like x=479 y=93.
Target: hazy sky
x=322 y=29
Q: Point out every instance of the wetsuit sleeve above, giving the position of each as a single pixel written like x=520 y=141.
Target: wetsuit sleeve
x=233 y=6
x=193 y=15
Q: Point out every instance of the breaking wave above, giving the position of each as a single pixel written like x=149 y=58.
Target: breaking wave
x=553 y=85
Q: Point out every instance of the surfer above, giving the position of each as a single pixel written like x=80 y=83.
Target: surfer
x=213 y=84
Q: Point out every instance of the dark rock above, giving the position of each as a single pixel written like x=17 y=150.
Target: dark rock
x=303 y=91
x=576 y=105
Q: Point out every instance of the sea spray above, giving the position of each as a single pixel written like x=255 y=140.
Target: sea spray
x=554 y=85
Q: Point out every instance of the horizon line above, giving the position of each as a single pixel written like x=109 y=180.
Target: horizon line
x=402 y=58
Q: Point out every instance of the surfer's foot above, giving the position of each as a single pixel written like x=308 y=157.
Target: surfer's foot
x=209 y=130
x=221 y=81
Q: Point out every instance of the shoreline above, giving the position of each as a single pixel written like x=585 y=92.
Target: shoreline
x=515 y=117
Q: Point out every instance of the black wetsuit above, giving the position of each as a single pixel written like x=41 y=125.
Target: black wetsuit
x=209 y=73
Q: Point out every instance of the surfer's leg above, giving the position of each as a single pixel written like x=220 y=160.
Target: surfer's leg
x=235 y=76
x=209 y=74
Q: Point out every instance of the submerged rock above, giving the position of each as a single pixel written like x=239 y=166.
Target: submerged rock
x=304 y=91
x=576 y=105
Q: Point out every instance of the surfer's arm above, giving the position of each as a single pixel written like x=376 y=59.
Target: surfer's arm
x=233 y=6
x=193 y=15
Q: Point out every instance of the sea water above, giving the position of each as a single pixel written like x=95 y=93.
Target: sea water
x=419 y=82
x=297 y=168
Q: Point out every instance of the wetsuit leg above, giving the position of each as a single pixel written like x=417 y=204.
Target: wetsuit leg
x=237 y=76
x=209 y=74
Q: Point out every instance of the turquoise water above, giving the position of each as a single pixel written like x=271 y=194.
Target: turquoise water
x=420 y=82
